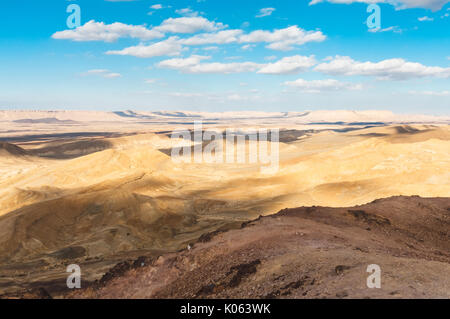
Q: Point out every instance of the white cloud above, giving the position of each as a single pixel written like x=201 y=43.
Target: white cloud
x=188 y=25
x=425 y=18
x=156 y=7
x=221 y=37
x=264 y=12
x=283 y=39
x=211 y=48
x=279 y=39
x=194 y=64
x=394 y=29
x=188 y=12
x=393 y=69
x=289 y=65
x=399 y=4
x=247 y=47
x=96 y=71
x=270 y=58
x=168 y=47
x=99 y=31
x=183 y=63
x=103 y=73
x=112 y=75
x=317 y=86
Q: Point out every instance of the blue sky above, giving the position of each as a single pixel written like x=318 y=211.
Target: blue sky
x=210 y=55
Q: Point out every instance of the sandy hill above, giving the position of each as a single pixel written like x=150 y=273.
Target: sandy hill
x=118 y=197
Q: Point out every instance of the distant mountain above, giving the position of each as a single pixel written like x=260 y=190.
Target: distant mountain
x=47 y=120
x=306 y=117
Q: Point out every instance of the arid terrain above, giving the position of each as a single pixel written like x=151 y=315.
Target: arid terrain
x=100 y=189
x=310 y=252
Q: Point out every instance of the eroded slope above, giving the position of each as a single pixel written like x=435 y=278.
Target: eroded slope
x=310 y=252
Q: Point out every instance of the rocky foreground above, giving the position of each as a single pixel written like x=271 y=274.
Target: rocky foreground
x=309 y=252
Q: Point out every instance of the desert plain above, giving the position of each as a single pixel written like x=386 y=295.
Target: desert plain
x=101 y=190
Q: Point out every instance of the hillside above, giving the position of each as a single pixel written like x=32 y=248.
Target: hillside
x=308 y=252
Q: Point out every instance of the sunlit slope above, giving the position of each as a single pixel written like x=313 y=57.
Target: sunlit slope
x=346 y=169
x=370 y=164
x=133 y=196
x=328 y=168
x=27 y=179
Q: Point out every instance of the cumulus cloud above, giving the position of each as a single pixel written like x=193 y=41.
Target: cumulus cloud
x=196 y=64
x=289 y=65
x=317 y=86
x=280 y=39
x=168 y=47
x=99 y=31
x=283 y=39
x=221 y=37
x=393 y=69
x=399 y=4
x=193 y=64
x=183 y=63
x=188 y=25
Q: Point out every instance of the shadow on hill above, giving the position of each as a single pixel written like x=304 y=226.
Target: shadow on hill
x=72 y=149
x=47 y=137
x=11 y=149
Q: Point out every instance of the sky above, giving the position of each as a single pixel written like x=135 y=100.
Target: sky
x=211 y=55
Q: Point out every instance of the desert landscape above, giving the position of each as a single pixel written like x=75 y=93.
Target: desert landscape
x=224 y=158
x=100 y=190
